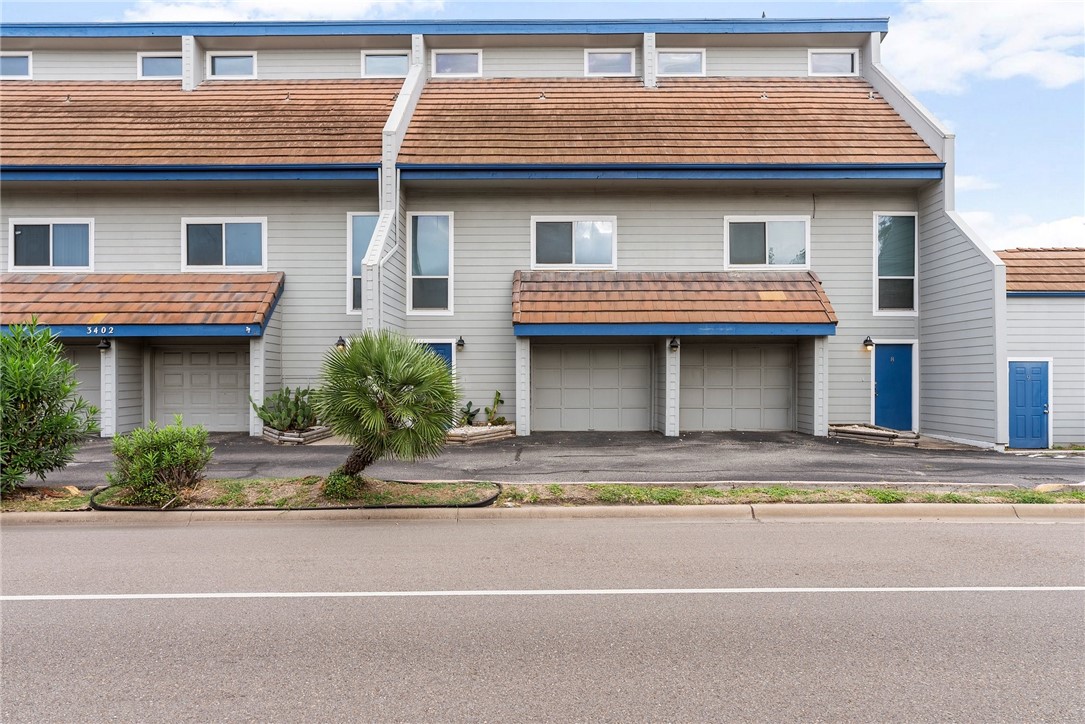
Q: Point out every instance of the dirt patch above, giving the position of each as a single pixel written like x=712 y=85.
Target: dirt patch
x=45 y=500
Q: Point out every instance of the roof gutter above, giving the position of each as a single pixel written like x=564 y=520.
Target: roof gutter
x=907 y=171
x=244 y=172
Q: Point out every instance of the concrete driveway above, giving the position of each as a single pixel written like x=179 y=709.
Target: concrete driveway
x=630 y=457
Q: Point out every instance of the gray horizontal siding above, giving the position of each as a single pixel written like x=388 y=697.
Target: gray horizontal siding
x=804 y=386
x=657 y=231
x=85 y=65
x=755 y=61
x=957 y=329
x=129 y=358
x=533 y=62
x=1054 y=327
x=308 y=64
x=307 y=236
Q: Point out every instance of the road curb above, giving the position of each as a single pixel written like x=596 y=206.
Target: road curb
x=764 y=513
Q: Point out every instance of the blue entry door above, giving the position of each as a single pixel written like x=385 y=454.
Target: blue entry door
x=1028 y=404
x=893 y=386
x=443 y=350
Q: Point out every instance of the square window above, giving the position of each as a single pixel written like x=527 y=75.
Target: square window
x=610 y=62
x=224 y=244
x=15 y=65
x=833 y=62
x=231 y=65
x=771 y=242
x=573 y=242
x=460 y=63
x=62 y=244
x=385 y=65
x=680 y=62
x=159 y=66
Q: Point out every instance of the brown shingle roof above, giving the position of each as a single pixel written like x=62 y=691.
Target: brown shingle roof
x=1044 y=270
x=221 y=122
x=546 y=297
x=139 y=298
x=684 y=121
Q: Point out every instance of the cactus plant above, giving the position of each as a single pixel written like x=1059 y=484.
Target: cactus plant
x=287 y=410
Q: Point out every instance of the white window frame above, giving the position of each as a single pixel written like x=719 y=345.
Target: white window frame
x=224 y=268
x=433 y=340
x=411 y=311
x=1050 y=396
x=701 y=73
x=728 y=266
x=454 y=51
x=50 y=220
x=811 y=52
x=915 y=376
x=209 y=67
x=29 y=64
x=163 y=54
x=574 y=266
x=632 y=62
x=350 y=259
x=406 y=53
x=914 y=312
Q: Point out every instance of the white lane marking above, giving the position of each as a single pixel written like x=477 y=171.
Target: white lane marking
x=537 y=592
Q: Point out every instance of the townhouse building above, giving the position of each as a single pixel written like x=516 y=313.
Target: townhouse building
x=620 y=225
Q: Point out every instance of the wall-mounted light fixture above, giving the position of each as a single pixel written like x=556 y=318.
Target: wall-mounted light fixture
x=340 y=343
x=104 y=344
x=674 y=344
x=868 y=344
x=460 y=343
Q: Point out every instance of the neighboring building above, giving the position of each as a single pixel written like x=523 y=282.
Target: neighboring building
x=631 y=225
x=1045 y=331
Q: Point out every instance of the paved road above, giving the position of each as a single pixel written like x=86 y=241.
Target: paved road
x=632 y=457
x=830 y=655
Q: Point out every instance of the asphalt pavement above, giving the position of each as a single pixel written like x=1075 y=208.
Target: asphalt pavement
x=630 y=457
x=567 y=620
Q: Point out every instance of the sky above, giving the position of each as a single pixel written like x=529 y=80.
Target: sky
x=1007 y=78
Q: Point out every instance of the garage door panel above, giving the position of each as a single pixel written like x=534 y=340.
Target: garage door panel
x=207 y=387
x=600 y=387
x=172 y=359
x=201 y=359
x=729 y=387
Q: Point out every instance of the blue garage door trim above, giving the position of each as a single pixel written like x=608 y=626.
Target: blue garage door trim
x=893 y=386
x=1029 y=412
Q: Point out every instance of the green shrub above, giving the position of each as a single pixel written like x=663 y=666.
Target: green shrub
x=340 y=486
x=42 y=419
x=468 y=413
x=159 y=463
x=287 y=410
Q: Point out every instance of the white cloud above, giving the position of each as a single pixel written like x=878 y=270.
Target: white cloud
x=939 y=46
x=974 y=183
x=1022 y=232
x=237 y=10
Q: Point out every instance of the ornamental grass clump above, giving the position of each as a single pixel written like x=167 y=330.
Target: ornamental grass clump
x=157 y=464
x=388 y=395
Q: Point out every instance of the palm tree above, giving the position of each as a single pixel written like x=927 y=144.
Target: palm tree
x=389 y=395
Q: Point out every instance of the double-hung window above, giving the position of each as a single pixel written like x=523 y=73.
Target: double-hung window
x=16 y=66
x=895 y=263
x=360 y=228
x=767 y=242
x=604 y=62
x=230 y=244
x=51 y=244
x=571 y=242
x=430 y=263
x=457 y=63
x=158 y=66
x=231 y=65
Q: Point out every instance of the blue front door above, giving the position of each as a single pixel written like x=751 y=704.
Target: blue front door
x=893 y=386
x=443 y=350
x=1028 y=404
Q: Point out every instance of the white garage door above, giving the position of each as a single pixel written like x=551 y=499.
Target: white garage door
x=209 y=386
x=736 y=388
x=585 y=387
x=88 y=371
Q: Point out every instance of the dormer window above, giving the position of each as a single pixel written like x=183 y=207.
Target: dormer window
x=231 y=65
x=675 y=62
x=834 y=62
x=158 y=66
x=15 y=66
x=385 y=63
x=620 y=62
x=457 y=63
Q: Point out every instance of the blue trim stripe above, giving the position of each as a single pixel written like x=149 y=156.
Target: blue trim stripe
x=339 y=172
x=104 y=329
x=932 y=172
x=1045 y=294
x=681 y=330
x=444 y=27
